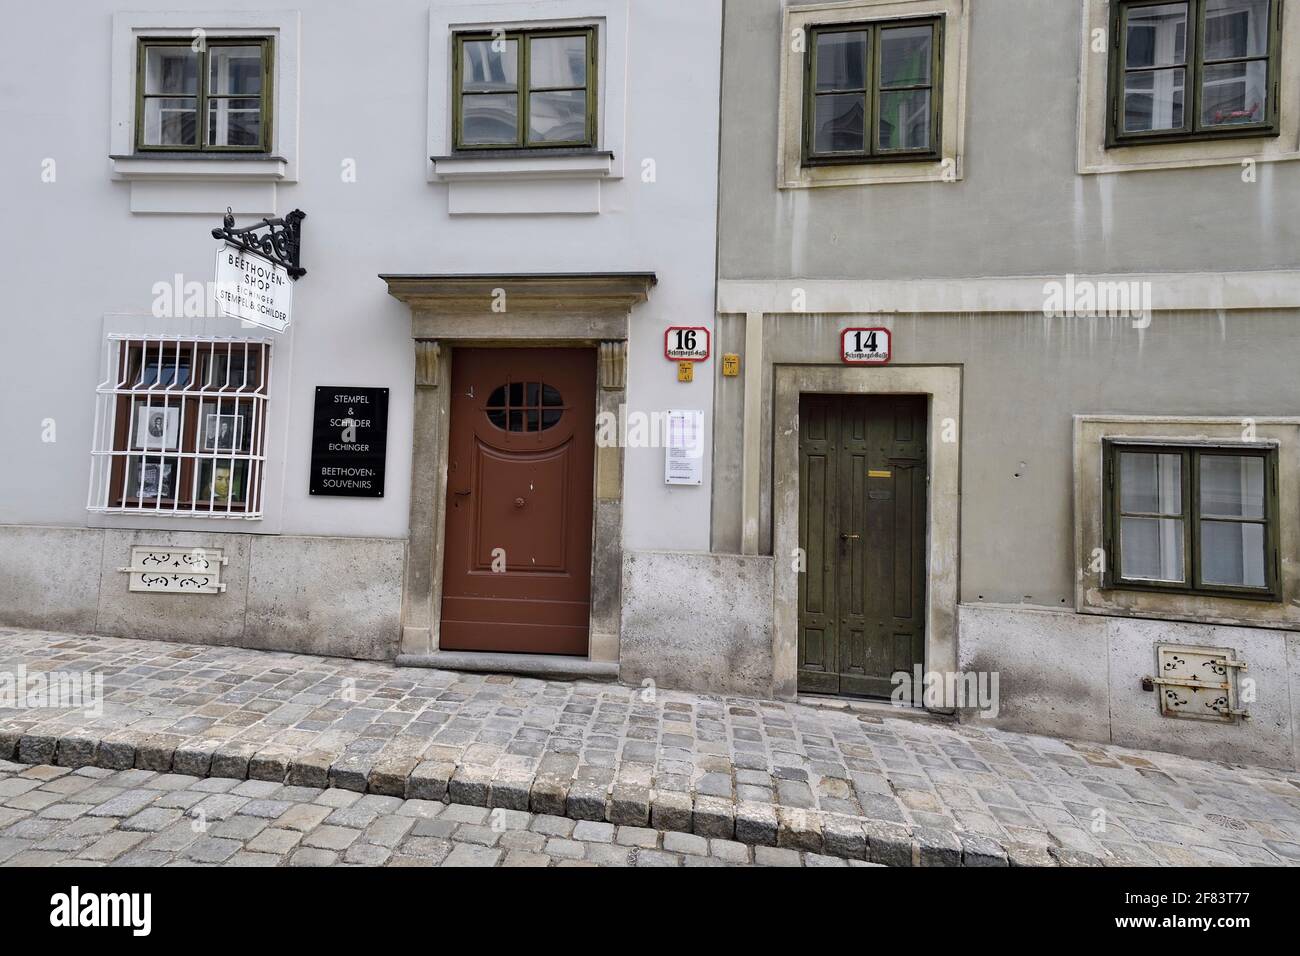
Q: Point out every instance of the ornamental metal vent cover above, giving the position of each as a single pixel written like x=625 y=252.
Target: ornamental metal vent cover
x=176 y=570
x=1199 y=682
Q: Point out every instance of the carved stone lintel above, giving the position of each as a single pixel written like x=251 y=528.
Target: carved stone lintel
x=613 y=365
x=428 y=355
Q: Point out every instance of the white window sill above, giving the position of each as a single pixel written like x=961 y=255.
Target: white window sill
x=524 y=183
x=198 y=167
x=532 y=166
x=172 y=183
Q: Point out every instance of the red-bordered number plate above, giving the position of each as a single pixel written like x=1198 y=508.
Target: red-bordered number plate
x=866 y=346
x=686 y=343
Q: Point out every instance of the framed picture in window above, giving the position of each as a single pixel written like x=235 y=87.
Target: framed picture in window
x=222 y=481
x=157 y=427
x=222 y=430
x=153 y=478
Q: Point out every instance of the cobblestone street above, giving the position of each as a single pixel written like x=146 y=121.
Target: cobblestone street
x=54 y=816
x=276 y=751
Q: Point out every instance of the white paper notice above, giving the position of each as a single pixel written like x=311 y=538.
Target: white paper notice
x=684 y=448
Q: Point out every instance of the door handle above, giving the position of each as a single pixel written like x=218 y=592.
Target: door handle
x=845 y=536
x=461 y=494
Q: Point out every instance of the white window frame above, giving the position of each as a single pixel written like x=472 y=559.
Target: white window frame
x=204 y=182
x=1094 y=69
x=791 y=171
x=556 y=181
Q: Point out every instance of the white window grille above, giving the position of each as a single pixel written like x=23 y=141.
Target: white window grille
x=180 y=427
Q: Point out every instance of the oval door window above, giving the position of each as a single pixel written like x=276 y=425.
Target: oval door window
x=525 y=407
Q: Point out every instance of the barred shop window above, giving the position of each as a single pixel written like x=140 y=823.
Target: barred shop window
x=213 y=99
x=1194 y=70
x=872 y=91
x=526 y=89
x=1193 y=519
x=180 y=427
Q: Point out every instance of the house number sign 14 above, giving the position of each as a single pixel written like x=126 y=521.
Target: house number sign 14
x=866 y=346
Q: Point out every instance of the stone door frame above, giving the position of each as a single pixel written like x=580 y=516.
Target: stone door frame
x=512 y=311
x=943 y=386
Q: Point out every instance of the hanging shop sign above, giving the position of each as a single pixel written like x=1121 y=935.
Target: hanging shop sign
x=253 y=289
x=686 y=343
x=866 y=346
x=256 y=270
x=349 y=442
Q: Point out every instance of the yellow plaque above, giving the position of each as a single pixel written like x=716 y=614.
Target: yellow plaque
x=880 y=474
x=730 y=365
x=685 y=371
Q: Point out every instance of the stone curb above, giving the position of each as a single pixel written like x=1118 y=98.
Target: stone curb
x=400 y=775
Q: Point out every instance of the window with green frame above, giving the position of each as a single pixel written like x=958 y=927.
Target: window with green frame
x=872 y=91
x=216 y=98
x=525 y=89
x=1193 y=70
x=1192 y=519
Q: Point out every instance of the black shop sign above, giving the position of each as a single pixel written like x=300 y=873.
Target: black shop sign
x=349 y=440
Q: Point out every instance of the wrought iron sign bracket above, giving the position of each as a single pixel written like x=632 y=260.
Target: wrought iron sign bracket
x=282 y=242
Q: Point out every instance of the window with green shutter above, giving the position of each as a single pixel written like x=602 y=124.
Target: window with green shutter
x=1193 y=70
x=1193 y=519
x=872 y=91
x=525 y=89
x=215 y=98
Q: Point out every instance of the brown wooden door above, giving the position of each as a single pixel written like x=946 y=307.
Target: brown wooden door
x=517 y=562
x=862 y=528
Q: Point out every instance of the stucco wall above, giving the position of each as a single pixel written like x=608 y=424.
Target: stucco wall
x=338 y=597
x=363 y=78
x=1020 y=208
x=1075 y=675
x=697 y=621
x=1023 y=379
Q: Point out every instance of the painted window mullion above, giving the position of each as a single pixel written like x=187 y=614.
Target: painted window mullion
x=1191 y=465
x=525 y=88
x=1196 y=68
x=202 y=90
x=872 y=96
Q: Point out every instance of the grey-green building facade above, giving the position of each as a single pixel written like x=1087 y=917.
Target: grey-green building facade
x=1077 y=224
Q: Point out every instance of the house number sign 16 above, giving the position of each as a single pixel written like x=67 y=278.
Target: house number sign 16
x=683 y=343
x=866 y=346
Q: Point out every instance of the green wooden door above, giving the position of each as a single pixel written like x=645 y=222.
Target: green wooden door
x=862 y=528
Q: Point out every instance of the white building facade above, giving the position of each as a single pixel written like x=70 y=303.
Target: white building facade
x=507 y=205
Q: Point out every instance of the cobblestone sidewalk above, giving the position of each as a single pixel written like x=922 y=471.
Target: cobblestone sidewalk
x=763 y=773
x=56 y=816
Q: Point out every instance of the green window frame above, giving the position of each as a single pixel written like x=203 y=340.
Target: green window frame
x=1183 y=515
x=523 y=90
x=206 y=102
x=875 y=93
x=1200 y=63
